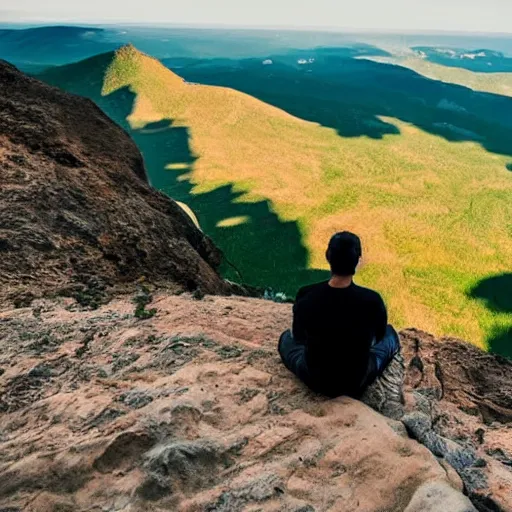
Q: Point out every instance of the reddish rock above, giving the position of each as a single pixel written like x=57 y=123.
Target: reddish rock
x=77 y=212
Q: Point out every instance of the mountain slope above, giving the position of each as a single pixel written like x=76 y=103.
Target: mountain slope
x=270 y=189
x=75 y=205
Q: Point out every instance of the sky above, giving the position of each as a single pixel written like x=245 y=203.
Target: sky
x=410 y=15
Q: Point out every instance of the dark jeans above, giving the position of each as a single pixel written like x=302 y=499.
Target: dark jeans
x=293 y=355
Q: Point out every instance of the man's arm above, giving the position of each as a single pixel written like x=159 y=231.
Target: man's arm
x=381 y=319
x=298 y=328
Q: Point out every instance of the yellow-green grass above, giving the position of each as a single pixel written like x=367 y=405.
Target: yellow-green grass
x=496 y=83
x=435 y=216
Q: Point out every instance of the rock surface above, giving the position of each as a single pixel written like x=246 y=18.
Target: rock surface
x=459 y=402
x=77 y=212
x=191 y=410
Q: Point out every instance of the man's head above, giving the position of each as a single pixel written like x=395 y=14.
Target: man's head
x=343 y=253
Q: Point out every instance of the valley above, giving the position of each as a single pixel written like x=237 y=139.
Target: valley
x=417 y=167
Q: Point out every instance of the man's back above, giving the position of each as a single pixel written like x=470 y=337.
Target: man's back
x=338 y=325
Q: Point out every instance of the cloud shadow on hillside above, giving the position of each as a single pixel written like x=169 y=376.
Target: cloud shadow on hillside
x=352 y=95
x=266 y=251
x=496 y=293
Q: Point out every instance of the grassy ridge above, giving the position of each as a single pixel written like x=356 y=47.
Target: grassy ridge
x=435 y=216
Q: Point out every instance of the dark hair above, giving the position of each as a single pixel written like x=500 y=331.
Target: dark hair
x=343 y=253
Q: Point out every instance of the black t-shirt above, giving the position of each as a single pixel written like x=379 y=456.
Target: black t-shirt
x=338 y=326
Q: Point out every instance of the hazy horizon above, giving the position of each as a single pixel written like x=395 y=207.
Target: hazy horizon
x=29 y=23
x=436 y=16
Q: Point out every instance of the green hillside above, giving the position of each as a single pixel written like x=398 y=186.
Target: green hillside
x=435 y=215
x=496 y=83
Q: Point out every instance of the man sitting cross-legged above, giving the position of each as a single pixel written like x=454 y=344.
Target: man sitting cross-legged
x=340 y=340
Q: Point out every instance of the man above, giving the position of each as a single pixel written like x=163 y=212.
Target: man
x=340 y=340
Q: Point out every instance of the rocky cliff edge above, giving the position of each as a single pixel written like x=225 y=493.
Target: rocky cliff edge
x=78 y=217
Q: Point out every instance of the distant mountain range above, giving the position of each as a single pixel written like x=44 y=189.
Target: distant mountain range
x=35 y=48
x=56 y=45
